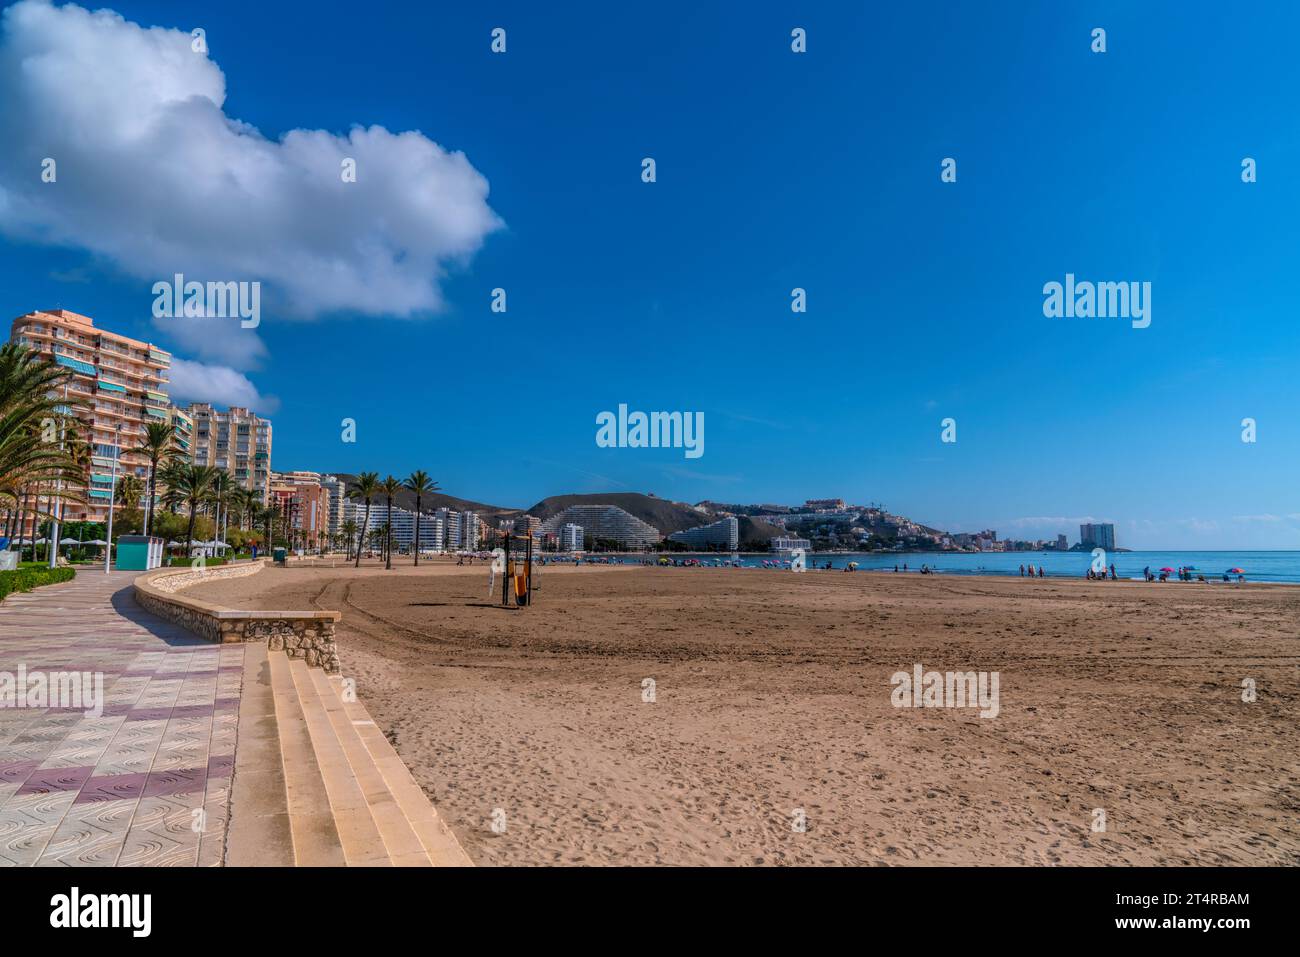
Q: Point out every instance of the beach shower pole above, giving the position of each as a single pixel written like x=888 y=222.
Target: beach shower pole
x=505 y=579
x=112 y=493
x=528 y=570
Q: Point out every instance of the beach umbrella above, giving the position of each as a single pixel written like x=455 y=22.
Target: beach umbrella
x=97 y=541
x=39 y=541
x=69 y=541
x=1166 y=569
x=1236 y=571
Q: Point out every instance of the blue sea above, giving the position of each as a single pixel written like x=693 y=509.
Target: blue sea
x=1258 y=566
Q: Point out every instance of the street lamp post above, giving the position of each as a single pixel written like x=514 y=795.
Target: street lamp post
x=53 y=549
x=112 y=497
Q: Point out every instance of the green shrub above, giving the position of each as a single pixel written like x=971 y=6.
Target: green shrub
x=27 y=578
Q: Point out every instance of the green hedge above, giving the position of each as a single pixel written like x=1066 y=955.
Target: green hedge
x=25 y=579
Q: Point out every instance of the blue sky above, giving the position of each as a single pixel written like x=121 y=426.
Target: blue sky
x=774 y=170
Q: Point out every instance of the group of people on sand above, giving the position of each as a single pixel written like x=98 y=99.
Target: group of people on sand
x=1030 y=572
x=1101 y=576
x=1185 y=574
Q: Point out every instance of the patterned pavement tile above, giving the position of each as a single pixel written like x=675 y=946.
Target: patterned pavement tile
x=145 y=782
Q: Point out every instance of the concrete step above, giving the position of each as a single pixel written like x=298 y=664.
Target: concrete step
x=259 y=834
x=435 y=836
x=400 y=840
x=363 y=846
x=316 y=839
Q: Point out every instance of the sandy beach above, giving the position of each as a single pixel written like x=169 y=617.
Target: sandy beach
x=772 y=706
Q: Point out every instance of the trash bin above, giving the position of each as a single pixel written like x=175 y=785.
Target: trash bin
x=278 y=555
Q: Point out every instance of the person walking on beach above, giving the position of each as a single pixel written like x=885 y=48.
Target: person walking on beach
x=1022 y=570
x=1113 y=576
x=1040 y=572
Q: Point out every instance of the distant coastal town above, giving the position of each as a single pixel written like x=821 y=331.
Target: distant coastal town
x=202 y=478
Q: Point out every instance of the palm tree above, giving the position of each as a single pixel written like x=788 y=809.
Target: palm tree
x=419 y=483
x=192 y=485
x=365 y=487
x=157 y=447
x=172 y=475
x=267 y=517
x=248 y=501
x=349 y=530
x=390 y=487
x=129 y=490
x=30 y=414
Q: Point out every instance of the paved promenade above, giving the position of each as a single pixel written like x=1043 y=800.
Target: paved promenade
x=148 y=781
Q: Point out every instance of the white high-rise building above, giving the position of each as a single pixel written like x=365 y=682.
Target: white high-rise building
x=725 y=532
x=449 y=535
x=403 y=522
x=607 y=522
x=570 y=538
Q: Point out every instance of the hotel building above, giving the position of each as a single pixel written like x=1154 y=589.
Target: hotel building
x=119 y=385
x=1097 y=536
x=725 y=533
x=608 y=522
x=236 y=441
x=433 y=528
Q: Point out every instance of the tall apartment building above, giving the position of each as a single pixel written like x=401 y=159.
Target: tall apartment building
x=182 y=431
x=303 y=498
x=119 y=384
x=526 y=525
x=725 y=532
x=338 y=493
x=432 y=527
x=570 y=537
x=607 y=522
x=235 y=440
x=1097 y=536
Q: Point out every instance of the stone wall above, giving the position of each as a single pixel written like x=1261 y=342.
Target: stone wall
x=299 y=634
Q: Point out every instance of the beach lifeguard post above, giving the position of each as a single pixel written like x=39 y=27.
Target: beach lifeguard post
x=139 y=553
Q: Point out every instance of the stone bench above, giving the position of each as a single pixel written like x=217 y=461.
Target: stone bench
x=299 y=634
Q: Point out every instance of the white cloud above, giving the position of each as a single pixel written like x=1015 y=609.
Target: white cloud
x=223 y=341
x=220 y=385
x=154 y=176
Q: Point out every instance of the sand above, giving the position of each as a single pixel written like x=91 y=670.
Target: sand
x=772 y=706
